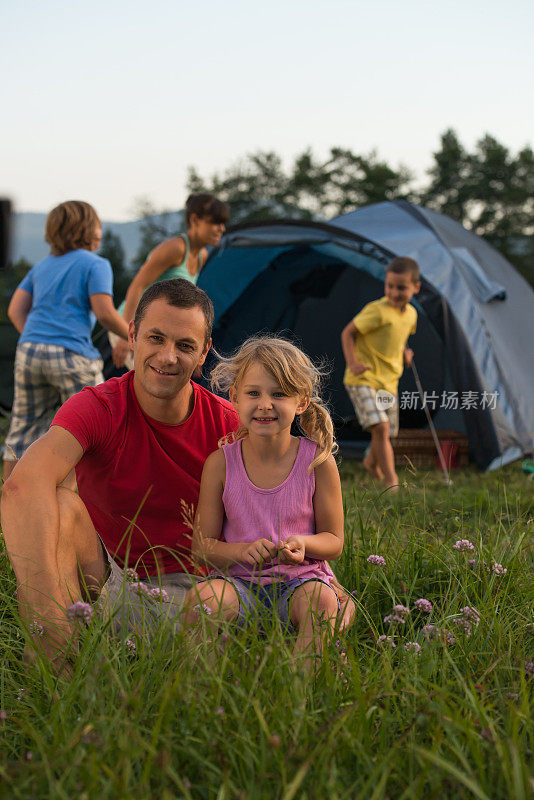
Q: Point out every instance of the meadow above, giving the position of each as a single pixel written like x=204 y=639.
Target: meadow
x=440 y=707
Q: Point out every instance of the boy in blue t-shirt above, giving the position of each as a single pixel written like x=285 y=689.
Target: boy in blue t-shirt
x=54 y=308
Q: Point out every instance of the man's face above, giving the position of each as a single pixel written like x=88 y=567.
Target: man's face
x=399 y=289
x=169 y=346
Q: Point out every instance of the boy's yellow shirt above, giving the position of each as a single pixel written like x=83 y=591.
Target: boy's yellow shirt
x=384 y=332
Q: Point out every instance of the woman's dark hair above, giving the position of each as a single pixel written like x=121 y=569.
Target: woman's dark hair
x=71 y=226
x=205 y=205
x=179 y=293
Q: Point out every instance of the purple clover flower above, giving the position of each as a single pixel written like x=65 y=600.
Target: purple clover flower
x=462 y=545
x=220 y=711
x=159 y=594
x=498 y=569
x=529 y=668
x=431 y=632
x=36 y=628
x=131 y=575
x=377 y=561
x=386 y=641
x=80 y=611
x=464 y=625
x=471 y=614
x=205 y=607
x=394 y=619
x=413 y=647
x=425 y=606
x=402 y=611
x=3 y=715
x=139 y=587
x=130 y=645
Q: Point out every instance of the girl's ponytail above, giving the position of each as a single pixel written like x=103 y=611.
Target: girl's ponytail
x=317 y=424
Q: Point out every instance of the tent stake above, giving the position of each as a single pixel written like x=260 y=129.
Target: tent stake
x=446 y=475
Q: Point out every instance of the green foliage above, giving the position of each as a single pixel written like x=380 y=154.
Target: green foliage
x=489 y=190
x=258 y=187
x=455 y=721
x=112 y=249
x=9 y=280
x=156 y=226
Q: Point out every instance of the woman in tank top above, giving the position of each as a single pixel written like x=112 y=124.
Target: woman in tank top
x=182 y=256
x=270 y=511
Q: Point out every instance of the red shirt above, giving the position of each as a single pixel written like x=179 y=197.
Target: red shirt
x=139 y=478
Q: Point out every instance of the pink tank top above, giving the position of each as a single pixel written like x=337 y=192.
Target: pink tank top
x=252 y=513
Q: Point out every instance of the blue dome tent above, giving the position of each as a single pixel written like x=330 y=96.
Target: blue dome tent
x=307 y=280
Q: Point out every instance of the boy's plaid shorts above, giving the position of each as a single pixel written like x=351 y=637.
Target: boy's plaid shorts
x=45 y=376
x=369 y=413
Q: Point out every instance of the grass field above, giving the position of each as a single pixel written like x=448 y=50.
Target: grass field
x=452 y=720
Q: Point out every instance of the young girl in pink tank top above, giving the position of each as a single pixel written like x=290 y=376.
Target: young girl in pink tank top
x=274 y=497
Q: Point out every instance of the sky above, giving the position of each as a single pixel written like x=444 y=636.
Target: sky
x=111 y=101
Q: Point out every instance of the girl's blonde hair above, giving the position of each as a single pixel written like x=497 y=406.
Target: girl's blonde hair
x=296 y=375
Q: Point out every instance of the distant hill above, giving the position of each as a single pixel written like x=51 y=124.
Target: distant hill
x=28 y=234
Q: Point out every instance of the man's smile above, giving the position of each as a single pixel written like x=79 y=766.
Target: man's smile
x=161 y=371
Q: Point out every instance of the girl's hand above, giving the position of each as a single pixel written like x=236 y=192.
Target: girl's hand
x=292 y=550
x=259 y=551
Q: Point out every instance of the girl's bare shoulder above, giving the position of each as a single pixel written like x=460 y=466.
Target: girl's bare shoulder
x=215 y=462
x=327 y=469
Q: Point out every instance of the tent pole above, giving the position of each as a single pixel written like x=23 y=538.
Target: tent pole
x=446 y=475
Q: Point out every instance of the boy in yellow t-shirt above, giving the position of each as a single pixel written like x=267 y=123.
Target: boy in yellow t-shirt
x=374 y=346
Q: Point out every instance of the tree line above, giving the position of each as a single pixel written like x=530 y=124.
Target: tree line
x=489 y=190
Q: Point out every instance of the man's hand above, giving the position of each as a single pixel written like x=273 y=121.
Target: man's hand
x=259 y=551
x=408 y=356
x=292 y=550
x=120 y=352
x=357 y=368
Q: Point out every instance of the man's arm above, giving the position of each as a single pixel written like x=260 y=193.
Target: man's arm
x=348 y=340
x=30 y=525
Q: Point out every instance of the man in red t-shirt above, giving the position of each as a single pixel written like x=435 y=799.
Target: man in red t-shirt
x=138 y=444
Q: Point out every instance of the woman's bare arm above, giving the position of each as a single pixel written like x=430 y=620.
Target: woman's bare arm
x=167 y=254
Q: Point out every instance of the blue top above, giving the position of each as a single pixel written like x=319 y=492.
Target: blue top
x=61 y=311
